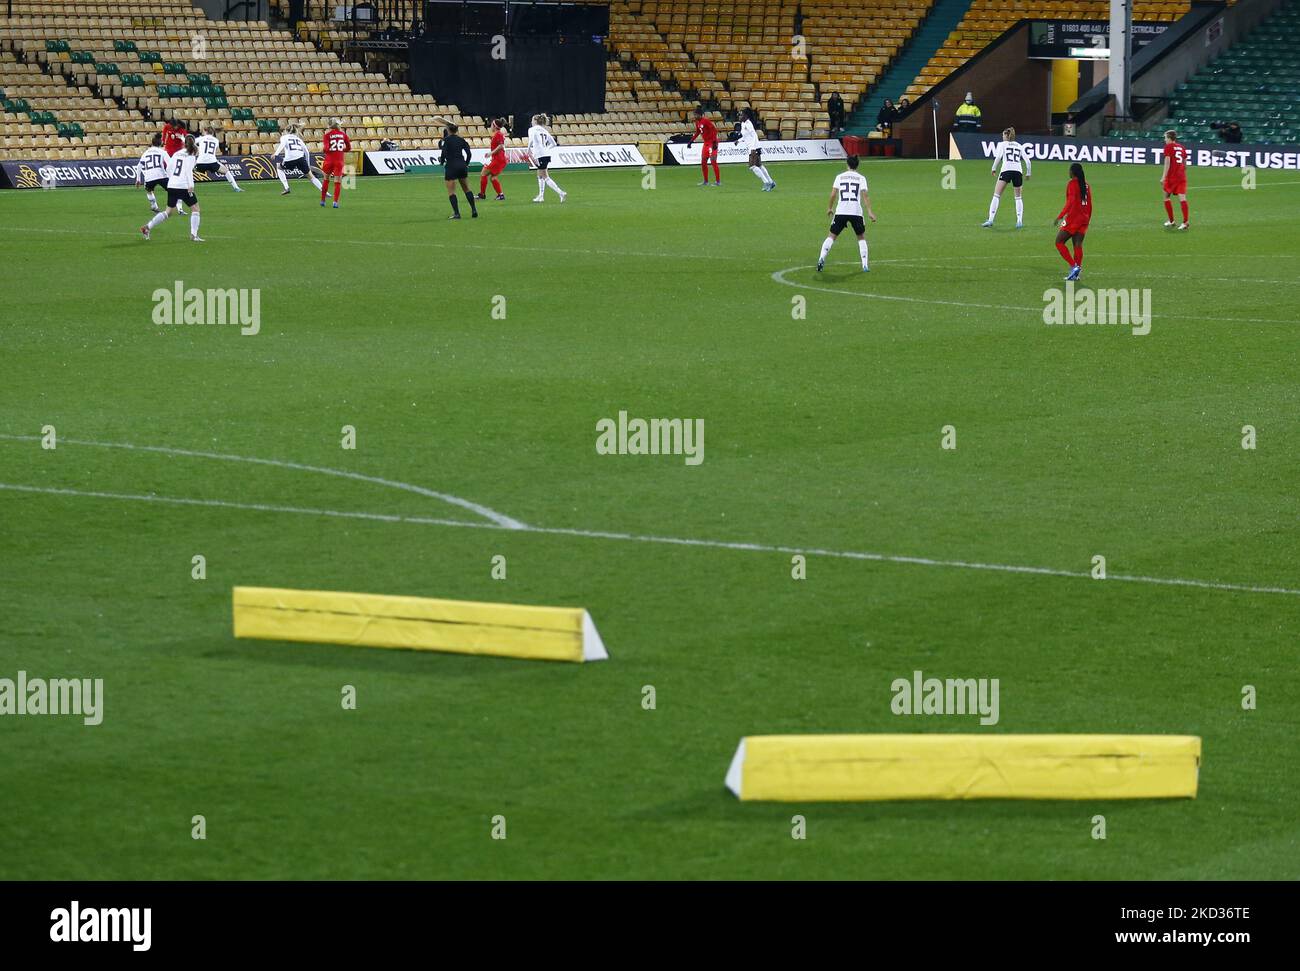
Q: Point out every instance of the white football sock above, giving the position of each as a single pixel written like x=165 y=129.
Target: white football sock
x=862 y=251
x=230 y=177
x=284 y=179
x=993 y=207
x=316 y=182
x=541 y=186
x=1020 y=209
x=827 y=243
x=194 y=224
x=551 y=183
x=758 y=173
x=149 y=194
x=766 y=177
x=157 y=219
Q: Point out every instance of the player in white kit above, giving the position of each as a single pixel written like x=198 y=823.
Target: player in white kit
x=151 y=171
x=1011 y=163
x=180 y=188
x=208 y=162
x=848 y=196
x=541 y=143
x=749 y=142
x=293 y=151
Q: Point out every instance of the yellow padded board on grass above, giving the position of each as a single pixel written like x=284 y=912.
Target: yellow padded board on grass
x=417 y=623
x=865 y=768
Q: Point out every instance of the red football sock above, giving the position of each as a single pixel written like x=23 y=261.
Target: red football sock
x=1169 y=208
x=704 y=167
x=338 y=187
x=325 y=187
x=1065 y=253
x=1184 y=210
x=482 y=184
x=717 y=176
x=496 y=185
x=1078 y=254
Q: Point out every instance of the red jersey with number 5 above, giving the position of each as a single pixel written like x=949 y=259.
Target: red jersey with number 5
x=1177 y=176
x=336 y=143
x=705 y=129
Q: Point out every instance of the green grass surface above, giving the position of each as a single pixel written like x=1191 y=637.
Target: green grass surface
x=821 y=433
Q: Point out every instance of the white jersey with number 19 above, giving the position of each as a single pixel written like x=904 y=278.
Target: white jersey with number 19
x=207 y=146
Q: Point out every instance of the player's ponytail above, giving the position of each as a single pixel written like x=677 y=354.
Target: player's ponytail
x=1076 y=173
x=1008 y=133
x=190 y=145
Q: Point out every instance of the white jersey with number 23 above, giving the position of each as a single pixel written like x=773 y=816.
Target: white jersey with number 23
x=850 y=187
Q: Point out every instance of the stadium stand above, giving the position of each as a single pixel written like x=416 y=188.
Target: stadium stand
x=986 y=20
x=1255 y=83
x=729 y=56
x=97 y=79
x=738 y=55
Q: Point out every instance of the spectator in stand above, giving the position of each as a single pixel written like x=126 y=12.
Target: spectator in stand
x=835 y=110
x=1230 y=132
x=903 y=105
x=885 y=118
x=968 y=115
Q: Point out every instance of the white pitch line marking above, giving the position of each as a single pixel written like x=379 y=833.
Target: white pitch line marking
x=498 y=518
x=661 y=540
x=779 y=277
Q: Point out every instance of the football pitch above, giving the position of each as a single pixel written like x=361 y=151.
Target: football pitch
x=472 y=361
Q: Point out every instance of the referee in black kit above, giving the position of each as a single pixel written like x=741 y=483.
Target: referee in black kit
x=456 y=157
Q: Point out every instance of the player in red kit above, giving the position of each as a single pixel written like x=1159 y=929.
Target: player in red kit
x=336 y=143
x=173 y=141
x=496 y=163
x=173 y=137
x=1074 y=219
x=1174 y=178
x=706 y=130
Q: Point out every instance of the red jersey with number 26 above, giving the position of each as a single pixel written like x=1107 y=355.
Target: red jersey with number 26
x=336 y=143
x=704 y=128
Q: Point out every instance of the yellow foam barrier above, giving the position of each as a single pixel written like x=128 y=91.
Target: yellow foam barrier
x=417 y=623
x=865 y=768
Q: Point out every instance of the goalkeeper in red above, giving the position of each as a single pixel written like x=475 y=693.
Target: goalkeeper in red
x=706 y=130
x=336 y=143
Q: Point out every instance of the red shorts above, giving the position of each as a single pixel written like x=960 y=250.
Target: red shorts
x=1075 y=229
x=710 y=150
x=333 y=166
x=1176 y=187
x=495 y=165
